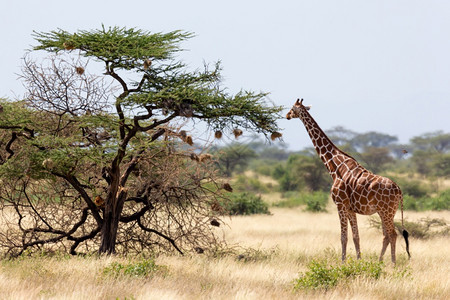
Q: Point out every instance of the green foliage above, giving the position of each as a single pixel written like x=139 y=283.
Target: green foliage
x=438 y=202
x=441 y=165
x=144 y=268
x=302 y=172
x=437 y=141
x=243 y=183
x=245 y=204
x=376 y=159
x=263 y=167
x=322 y=275
x=315 y=201
x=114 y=44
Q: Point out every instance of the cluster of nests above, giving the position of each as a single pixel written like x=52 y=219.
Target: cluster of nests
x=238 y=132
x=218 y=135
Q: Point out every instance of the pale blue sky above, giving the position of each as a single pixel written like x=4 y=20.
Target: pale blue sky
x=366 y=65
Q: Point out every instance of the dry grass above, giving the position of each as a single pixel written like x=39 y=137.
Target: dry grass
x=281 y=245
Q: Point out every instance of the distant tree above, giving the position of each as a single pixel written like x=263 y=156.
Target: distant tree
x=340 y=135
x=231 y=157
x=372 y=140
x=305 y=172
x=423 y=162
x=435 y=141
x=441 y=165
x=354 y=143
x=103 y=145
x=376 y=158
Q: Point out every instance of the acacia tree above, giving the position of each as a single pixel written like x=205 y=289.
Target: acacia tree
x=106 y=153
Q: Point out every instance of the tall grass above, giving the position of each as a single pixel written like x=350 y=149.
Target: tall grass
x=276 y=252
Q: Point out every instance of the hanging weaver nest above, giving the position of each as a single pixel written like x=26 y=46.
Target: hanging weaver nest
x=189 y=140
x=80 y=70
x=237 y=132
x=227 y=187
x=68 y=45
x=275 y=135
x=147 y=64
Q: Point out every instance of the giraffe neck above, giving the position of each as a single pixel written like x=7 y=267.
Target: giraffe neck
x=335 y=160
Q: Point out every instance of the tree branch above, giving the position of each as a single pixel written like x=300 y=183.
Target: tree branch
x=141 y=83
x=77 y=186
x=81 y=239
x=160 y=122
x=171 y=241
x=32 y=207
x=132 y=164
x=8 y=145
x=136 y=215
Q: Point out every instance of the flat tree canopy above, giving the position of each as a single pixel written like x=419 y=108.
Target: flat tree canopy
x=94 y=159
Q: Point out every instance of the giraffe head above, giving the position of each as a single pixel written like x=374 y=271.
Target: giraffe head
x=295 y=110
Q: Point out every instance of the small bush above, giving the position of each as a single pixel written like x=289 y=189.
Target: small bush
x=144 y=268
x=256 y=255
x=315 y=202
x=321 y=275
x=245 y=204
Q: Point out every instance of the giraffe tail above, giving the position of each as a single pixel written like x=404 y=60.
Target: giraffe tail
x=405 y=233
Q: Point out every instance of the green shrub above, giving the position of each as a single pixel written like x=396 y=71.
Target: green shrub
x=245 y=204
x=439 y=202
x=413 y=188
x=250 y=184
x=321 y=275
x=143 y=268
x=315 y=201
x=292 y=199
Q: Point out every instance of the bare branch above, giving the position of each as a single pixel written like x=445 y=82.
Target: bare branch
x=171 y=241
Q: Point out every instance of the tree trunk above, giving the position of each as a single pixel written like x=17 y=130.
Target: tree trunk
x=113 y=210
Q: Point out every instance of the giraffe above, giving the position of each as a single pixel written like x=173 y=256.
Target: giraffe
x=355 y=189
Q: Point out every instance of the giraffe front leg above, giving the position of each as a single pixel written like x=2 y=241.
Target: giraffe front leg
x=344 y=224
x=354 y=225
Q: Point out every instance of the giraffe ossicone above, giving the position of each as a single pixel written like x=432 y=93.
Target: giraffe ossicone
x=355 y=190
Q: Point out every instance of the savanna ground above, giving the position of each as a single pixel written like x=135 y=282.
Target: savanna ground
x=273 y=250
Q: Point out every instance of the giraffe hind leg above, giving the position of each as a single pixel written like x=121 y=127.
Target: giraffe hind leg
x=390 y=237
x=393 y=241
x=385 y=240
x=354 y=225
